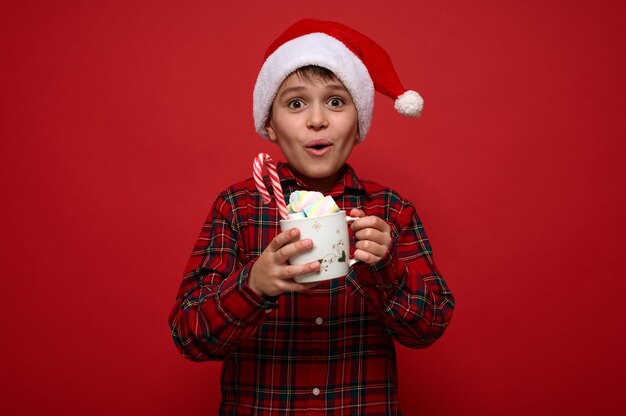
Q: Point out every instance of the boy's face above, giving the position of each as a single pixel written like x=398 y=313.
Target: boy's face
x=314 y=122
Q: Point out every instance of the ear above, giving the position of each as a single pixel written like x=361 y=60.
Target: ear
x=269 y=128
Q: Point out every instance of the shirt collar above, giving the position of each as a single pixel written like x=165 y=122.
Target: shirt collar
x=348 y=181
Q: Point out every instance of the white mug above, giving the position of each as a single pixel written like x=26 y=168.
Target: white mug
x=331 y=245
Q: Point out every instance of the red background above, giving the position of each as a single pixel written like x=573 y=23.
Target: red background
x=121 y=120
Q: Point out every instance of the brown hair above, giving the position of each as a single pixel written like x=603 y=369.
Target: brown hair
x=311 y=72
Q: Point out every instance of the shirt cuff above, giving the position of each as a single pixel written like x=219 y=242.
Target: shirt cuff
x=240 y=302
x=386 y=273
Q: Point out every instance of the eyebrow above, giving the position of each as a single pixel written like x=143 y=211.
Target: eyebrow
x=332 y=87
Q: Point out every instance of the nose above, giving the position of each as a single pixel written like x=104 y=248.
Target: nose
x=317 y=117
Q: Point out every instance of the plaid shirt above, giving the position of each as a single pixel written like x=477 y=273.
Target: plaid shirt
x=325 y=351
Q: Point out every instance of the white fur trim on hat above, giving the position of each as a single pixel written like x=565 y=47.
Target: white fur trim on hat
x=321 y=50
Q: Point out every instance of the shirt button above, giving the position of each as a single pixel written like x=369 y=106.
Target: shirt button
x=316 y=391
x=319 y=321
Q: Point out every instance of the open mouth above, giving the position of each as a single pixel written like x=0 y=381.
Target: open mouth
x=318 y=145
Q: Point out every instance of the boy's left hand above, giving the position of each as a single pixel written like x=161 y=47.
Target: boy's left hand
x=373 y=237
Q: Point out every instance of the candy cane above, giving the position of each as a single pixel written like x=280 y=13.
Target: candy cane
x=257 y=167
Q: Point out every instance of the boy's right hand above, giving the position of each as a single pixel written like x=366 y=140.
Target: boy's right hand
x=271 y=275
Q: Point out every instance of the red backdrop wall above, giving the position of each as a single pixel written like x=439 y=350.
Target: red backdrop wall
x=122 y=120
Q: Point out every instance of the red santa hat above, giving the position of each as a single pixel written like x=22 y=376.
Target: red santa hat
x=359 y=62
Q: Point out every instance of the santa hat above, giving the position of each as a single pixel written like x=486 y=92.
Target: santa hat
x=359 y=62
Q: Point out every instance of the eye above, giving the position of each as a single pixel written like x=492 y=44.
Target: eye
x=336 y=102
x=295 y=104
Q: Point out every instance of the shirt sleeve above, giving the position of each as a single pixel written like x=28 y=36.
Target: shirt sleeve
x=215 y=308
x=405 y=287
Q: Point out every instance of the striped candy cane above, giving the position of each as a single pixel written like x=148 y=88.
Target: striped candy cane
x=263 y=159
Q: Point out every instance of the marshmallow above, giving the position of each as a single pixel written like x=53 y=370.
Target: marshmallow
x=322 y=206
x=299 y=200
x=312 y=204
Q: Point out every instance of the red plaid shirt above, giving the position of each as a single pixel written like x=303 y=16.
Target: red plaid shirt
x=325 y=351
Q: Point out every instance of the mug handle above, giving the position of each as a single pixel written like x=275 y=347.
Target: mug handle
x=350 y=220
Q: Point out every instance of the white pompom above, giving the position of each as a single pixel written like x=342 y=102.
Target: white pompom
x=409 y=104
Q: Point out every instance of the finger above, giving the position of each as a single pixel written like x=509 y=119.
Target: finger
x=287 y=283
x=354 y=212
x=289 y=250
x=371 y=247
x=365 y=257
x=293 y=270
x=283 y=238
x=371 y=234
x=371 y=222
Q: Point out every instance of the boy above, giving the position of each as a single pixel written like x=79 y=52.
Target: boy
x=318 y=348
